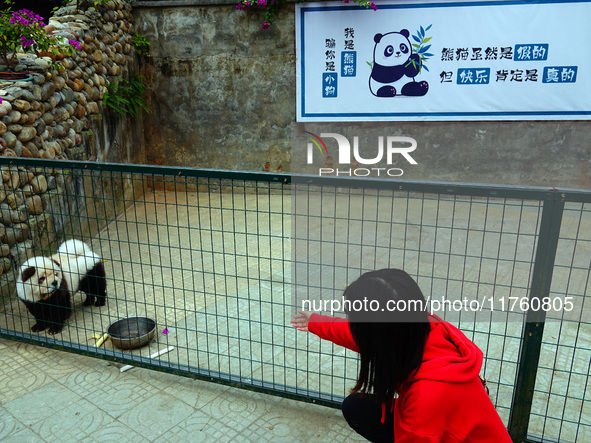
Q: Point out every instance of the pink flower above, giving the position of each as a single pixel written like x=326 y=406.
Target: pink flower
x=266 y=25
x=244 y=4
x=373 y=6
x=262 y=2
x=26 y=42
x=75 y=44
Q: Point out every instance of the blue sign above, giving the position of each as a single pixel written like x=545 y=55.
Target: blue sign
x=531 y=52
x=329 y=84
x=412 y=60
x=473 y=76
x=348 y=64
x=560 y=74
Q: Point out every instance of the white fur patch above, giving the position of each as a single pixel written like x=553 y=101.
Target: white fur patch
x=46 y=279
x=75 y=259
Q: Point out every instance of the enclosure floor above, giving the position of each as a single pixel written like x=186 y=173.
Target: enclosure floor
x=49 y=396
x=215 y=271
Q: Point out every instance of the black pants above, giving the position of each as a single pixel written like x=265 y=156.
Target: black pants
x=364 y=415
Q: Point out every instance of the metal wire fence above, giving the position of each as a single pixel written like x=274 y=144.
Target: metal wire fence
x=222 y=259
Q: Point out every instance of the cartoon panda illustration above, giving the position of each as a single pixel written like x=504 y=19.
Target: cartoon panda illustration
x=393 y=59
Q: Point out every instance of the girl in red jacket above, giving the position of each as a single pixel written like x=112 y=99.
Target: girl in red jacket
x=418 y=375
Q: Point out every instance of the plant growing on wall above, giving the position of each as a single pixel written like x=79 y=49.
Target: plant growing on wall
x=101 y=2
x=272 y=6
x=126 y=97
x=24 y=31
x=84 y=4
x=56 y=5
x=141 y=43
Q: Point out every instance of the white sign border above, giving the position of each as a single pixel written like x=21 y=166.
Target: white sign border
x=302 y=116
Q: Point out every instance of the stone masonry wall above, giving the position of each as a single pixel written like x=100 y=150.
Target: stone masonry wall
x=49 y=116
x=59 y=115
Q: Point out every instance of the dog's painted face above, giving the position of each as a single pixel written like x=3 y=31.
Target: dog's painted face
x=39 y=277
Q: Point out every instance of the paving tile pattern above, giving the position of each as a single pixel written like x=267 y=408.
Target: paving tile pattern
x=94 y=401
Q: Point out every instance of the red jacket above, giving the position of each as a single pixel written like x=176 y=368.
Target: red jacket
x=445 y=400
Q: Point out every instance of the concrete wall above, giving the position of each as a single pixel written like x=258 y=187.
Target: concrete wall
x=224 y=96
x=514 y=153
x=224 y=90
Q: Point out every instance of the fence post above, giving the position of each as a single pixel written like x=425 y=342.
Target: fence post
x=531 y=343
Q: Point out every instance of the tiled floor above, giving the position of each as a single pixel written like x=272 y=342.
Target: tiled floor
x=49 y=395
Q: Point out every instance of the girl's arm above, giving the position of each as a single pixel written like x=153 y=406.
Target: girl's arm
x=300 y=320
x=334 y=329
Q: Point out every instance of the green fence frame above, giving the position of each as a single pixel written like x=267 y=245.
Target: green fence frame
x=552 y=201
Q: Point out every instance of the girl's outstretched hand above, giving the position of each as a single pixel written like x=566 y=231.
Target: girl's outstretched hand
x=300 y=320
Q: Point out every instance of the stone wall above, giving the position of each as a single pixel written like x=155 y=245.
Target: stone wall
x=59 y=115
x=225 y=97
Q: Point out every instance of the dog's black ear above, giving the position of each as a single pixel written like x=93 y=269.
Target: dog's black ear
x=27 y=273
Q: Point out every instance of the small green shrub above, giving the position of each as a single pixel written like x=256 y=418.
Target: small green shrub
x=58 y=4
x=85 y=4
x=141 y=43
x=126 y=97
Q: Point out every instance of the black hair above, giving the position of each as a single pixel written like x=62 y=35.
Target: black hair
x=391 y=342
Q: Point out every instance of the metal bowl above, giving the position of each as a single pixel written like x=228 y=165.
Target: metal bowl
x=132 y=332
